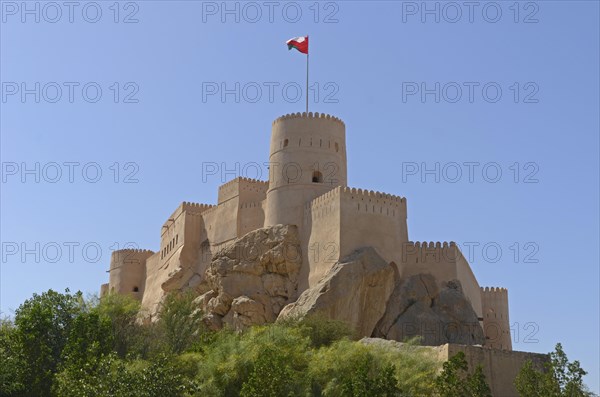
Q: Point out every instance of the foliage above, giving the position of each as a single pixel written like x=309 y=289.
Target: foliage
x=321 y=330
x=180 y=322
x=122 y=311
x=455 y=381
x=43 y=324
x=352 y=369
x=62 y=345
x=111 y=376
x=12 y=363
x=260 y=357
x=559 y=378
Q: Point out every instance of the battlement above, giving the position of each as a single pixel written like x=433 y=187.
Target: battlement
x=428 y=252
x=195 y=207
x=188 y=207
x=128 y=255
x=254 y=187
x=433 y=244
x=133 y=250
x=372 y=202
x=310 y=115
x=371 y=195
x=494 y=290
x=324 y=199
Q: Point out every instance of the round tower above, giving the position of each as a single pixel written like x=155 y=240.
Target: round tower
x=128 y=272
x=307 y=158
x=496 y=325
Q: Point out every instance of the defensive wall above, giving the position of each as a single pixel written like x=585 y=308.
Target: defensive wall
x=345 y=219
x=496 y=324
x=445 y=262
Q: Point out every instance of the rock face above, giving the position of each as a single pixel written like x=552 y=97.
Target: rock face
x=355 y=291
x=439 y=314
x=250 y=282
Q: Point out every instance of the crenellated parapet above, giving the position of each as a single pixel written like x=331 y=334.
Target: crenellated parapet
x=325 y=199
x=127 y=273
x=444 y=261
x=496 y=323
x=309 y=115
x=370 y=201
x=246 y=189
x=195 y=207
x=429 y=252
x=494 y=290
x=187 y=207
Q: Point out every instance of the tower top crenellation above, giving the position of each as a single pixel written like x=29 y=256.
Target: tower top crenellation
x=309 y=115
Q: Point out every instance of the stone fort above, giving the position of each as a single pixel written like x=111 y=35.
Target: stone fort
x=326 y=228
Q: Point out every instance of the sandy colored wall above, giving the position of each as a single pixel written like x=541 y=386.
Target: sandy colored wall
x=500 y=367
x=372 y=219
x=128 y=272
x=302 y=145
x=445 y=262
x=251 y=217
x=154 y=279
x=249 y=190
x=496 y=323
x=344 y=220
x=320 y=237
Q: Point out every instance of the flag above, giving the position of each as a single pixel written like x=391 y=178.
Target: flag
x=299 y=43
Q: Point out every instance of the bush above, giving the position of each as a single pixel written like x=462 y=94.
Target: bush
x=321 y=330
x=272 y=357
x=180 y=322
x=351 y=369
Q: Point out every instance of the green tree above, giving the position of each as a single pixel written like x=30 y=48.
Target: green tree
x=122 y=311
x=11 y=362
x=112 y=376
x=559 y=378
x=180 y=322
x=455 y=380
x=90 y=338
x=43 y=324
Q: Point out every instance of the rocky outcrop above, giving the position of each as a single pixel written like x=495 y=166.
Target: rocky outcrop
x=249 y=282
x=439 y=314
x=355 y=291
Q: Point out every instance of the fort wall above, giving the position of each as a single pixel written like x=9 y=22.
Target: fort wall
x=500 y=367
x=345 y=219
x=176 y=230
x=251 y=216
x=307 y=158
x=372 y=219
x=444 y=262
x=128 y=272
x=320 y=237
x=247 y=189
x=496 y=324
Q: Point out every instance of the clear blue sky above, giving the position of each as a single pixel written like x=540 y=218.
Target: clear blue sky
x=373 y=55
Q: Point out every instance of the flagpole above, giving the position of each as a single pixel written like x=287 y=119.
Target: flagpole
x=307 y=55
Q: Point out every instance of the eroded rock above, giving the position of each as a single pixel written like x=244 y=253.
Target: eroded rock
x=355 y=291
x=439 y=314
x=249 y=282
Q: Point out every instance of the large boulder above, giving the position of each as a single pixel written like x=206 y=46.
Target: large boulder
x=438 y=313
x=355 y=290
x=249 y=282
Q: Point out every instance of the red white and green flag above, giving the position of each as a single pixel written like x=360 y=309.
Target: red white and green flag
x=299 y=43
